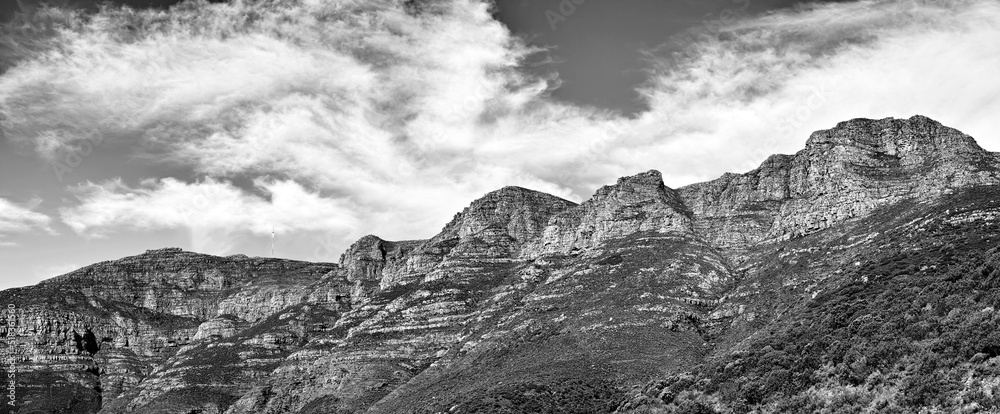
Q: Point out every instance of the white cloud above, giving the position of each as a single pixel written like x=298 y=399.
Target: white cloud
x=208 y=209
x=16 y=219
x=762 y=85
x=391 y=120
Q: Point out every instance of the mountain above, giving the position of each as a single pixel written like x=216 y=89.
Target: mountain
x=857 y=274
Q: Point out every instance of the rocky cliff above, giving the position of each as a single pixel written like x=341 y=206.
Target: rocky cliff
x=118 y=321
x=524 y=302
x=843 y=172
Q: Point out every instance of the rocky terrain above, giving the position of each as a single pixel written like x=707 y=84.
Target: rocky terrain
x=753 y=292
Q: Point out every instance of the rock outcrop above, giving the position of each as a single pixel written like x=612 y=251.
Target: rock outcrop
x=495 y=227
x=217 y=328
x=635 y=204
x=843 y=172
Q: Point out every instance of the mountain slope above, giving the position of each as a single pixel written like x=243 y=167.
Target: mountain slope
x=903 y=320
x=100 y=330
x=761 y=291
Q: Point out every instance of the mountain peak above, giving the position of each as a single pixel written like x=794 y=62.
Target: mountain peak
x=521 y=212
x=843 y=172
x=165 y=250
x=509 y=190
x=651 y=177
x=636 y=203
x=494 y=227
x=918 y=135
x=643 y=187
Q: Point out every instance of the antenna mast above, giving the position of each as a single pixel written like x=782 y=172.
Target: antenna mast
x=272 y=241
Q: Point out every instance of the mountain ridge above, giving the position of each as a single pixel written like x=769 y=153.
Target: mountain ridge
x=557 y=301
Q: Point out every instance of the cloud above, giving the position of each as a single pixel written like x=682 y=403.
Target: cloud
x=207 y=209
x=391 y=117
x=15 y=219
x=407 y=113
x=762 y=85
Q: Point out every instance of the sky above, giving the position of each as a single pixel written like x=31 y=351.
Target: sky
x=212 y=126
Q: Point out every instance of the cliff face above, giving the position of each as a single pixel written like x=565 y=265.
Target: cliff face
x=523 y=300
x=99 y=331
x=496 y=227
x=843 y=172
x=635 y=204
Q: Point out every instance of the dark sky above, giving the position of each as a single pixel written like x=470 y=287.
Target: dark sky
x=598 y=45
x=595 y=47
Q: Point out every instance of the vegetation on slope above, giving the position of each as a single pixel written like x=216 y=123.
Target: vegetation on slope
x=912 y=327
